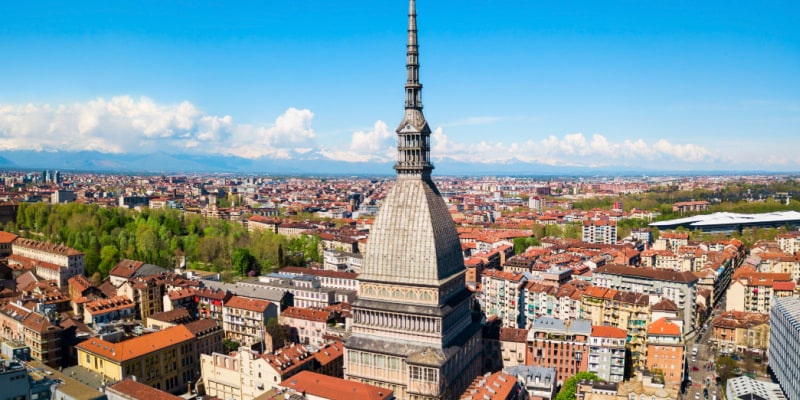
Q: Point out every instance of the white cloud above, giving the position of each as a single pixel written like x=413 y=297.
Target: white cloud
x=570 y=150
x=377 y=144
x=123 y=124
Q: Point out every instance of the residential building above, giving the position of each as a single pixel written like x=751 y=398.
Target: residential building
x=545 y=300
x=607 y=353
x=163 y=360
x=628 y=311
x=338 y=260
x=789 y=243
x=643 y=386
x=52 y=262
x=247 y=374
x=208 y=336
x=690 y=206
x=147 y=292
x=167 y=319
x=306 y=326
x=43 y=338
x=341 y=280
x=210 y=302
x=307 y=291
x=784 y=345
x=107 y=310
x=666 y=351
x=126 y=270
x=314 y=386
x=130 y=389
x=513 y=343
x=502 y=296
x=600 y=231
x=753 y=291
x=562 y=345
x=741 y=331
x=539 y=382
x=495 y=386
x=680 y=287
x=6 y=238
x=244 y=319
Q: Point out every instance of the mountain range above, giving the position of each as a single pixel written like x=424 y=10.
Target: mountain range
x=312 y=164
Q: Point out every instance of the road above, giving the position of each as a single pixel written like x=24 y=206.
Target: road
x=705 y=355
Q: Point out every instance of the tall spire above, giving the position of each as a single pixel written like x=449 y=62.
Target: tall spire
x=413 y=87
x=413 y=134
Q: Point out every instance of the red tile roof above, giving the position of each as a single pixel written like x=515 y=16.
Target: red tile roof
x=334 y=388
x=139 y=391
x=139 y=346
x=246 y=303
x=608 y=332
x=663 y=327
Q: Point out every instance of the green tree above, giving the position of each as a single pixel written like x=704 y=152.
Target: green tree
x=726 y=368
x=243 y=261
x=570 y=386
x=230 y=345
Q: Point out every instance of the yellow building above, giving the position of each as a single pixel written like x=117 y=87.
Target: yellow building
x=164 y=360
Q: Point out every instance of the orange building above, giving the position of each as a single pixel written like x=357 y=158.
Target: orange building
x=666 y=351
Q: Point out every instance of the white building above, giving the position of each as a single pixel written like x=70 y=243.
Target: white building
x=600 y=231
x=784 y=345
x=58 y=262
x=745 y=387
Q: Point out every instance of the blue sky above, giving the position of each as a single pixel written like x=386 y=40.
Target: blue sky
x=662 y=84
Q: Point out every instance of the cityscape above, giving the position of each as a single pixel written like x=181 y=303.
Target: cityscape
x=188 y=256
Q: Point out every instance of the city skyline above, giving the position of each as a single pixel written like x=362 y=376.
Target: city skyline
x=656 y=86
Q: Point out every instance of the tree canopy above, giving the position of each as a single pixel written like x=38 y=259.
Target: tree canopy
x=107 y=235
x=570 y=386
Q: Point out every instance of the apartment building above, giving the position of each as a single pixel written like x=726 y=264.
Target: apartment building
x=246 y=374
x=789 y=243
x=341 y=280
x=107 y=310
x=784 y=345
x=625 y=310
x=244 y=319
x=754 y=291
x=607 y=353
x=666 y=351
x=538 y=382
x=164 y=360
x=741 y=331
x=208 y=337
x=210 y=302
x=43 y=338
x=680 y=287
x=306 y=325
x=147 y=292
x=53 y=262
x=307 y=291
x=51 y=253
x=502 y=295
x=562 y=345
x=600 y=231
x=498 y=385
x=545 y=300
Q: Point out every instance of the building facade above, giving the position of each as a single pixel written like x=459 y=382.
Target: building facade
x=679 y=287
x=784 y=345
x=607 y=353
x=412 y=328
